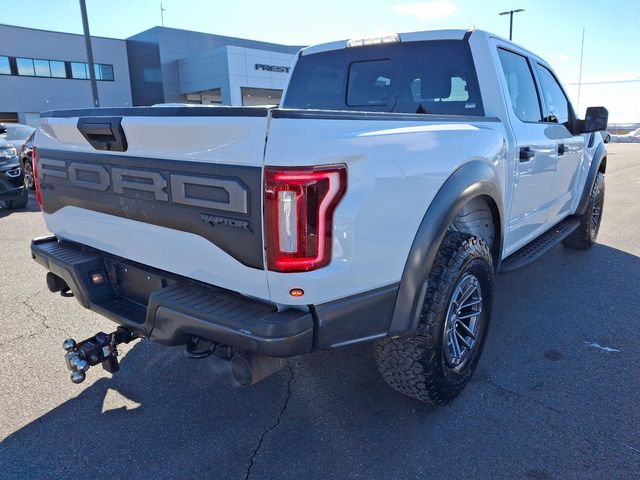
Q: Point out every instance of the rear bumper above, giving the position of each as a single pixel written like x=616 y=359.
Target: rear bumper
x=169 y=309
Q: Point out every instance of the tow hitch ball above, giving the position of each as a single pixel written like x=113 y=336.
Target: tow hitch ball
x=101 y=348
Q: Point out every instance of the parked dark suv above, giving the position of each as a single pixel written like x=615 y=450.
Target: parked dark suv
x=12 y=189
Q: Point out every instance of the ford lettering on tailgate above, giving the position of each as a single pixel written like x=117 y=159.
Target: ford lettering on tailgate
x=211 y=200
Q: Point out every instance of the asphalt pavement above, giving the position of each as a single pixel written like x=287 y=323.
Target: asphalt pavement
x=556 y=394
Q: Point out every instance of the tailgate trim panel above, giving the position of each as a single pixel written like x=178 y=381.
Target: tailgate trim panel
x=219 y=202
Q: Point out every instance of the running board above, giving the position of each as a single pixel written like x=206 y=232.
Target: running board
x=540 y=245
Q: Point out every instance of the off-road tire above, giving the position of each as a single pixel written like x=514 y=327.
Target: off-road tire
x=20 y=202
x=415 y=365
x=585 y=235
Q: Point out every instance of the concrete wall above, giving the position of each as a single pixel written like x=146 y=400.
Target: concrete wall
x=35 y=94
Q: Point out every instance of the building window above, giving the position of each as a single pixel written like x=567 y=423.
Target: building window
x=5 y=66
x=79 y=70
x=25 y=67
x=260 y=96
x=31 y=67
x=42 y=68
x=57 y=69
x=104 y=72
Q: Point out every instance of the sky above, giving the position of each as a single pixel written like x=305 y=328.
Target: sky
x=551 y=29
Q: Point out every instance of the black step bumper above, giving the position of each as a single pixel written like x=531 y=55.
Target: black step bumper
x=169 y=309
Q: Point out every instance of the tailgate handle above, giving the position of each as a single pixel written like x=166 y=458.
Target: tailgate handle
x=103 y=133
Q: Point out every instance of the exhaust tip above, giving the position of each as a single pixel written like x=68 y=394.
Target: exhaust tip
x=250 y=368
x=55 y=283
x=241 y=370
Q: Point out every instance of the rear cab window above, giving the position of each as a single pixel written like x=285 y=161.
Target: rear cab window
x=436 y=77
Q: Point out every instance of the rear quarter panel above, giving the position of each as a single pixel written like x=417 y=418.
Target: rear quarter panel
x=395 y=168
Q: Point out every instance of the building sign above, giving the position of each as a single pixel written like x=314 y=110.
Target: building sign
x=272 y=68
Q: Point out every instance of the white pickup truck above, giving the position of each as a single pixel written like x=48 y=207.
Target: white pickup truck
x=375 y=204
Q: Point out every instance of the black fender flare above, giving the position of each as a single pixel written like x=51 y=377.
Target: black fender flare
x=599 y=156
x=473 y=179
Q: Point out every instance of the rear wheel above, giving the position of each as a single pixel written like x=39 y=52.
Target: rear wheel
x=585 y=235
x=437 y=362
x=27 y=167
x=20 y=202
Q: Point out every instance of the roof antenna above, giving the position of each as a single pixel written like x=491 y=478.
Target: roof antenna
x=162 y=10
x=580 y=74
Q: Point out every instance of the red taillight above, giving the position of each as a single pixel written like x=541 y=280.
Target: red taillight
x=34 y=169
x=299 y=206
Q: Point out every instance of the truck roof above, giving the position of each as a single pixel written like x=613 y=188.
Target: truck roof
x=451 y=34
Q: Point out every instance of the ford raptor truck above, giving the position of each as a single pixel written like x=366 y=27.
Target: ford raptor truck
x=375 y=204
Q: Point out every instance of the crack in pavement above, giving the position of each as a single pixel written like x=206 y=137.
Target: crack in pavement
x=20 y=337
x=273 y=426
x=42 y=318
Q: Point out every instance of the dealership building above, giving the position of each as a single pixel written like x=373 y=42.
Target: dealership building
x=44 y=70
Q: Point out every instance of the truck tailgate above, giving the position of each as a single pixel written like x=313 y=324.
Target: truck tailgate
x=181 y=191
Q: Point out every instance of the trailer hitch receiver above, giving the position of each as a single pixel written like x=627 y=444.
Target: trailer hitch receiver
x=101 y=348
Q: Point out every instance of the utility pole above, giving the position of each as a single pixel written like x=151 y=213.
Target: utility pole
x=510 y=13
x=162 y=10
x=87 y=42
x=580 y=74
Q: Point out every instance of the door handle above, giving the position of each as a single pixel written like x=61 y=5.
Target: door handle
x=526 y=154
x=561 y=149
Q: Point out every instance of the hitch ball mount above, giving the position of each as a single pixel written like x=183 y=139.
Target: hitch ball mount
x=101 y=348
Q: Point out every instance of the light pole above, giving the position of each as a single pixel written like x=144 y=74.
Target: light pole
x=87 y=42
x=510 y=13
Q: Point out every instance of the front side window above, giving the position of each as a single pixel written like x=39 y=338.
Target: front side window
x=435 y=76
x=521 y=86
x=556 y=103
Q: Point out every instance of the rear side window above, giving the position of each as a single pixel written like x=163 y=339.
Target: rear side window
x=556 y=104
x=520 y=84
x=415 y=77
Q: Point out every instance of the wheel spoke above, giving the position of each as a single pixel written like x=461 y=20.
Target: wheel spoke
x=470 y=315
x=455 y=345
x=469 y=331
x=466 y=295
x=470 y=304
x=463 y=340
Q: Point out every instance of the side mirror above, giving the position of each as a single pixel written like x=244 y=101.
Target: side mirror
x=596 y=120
